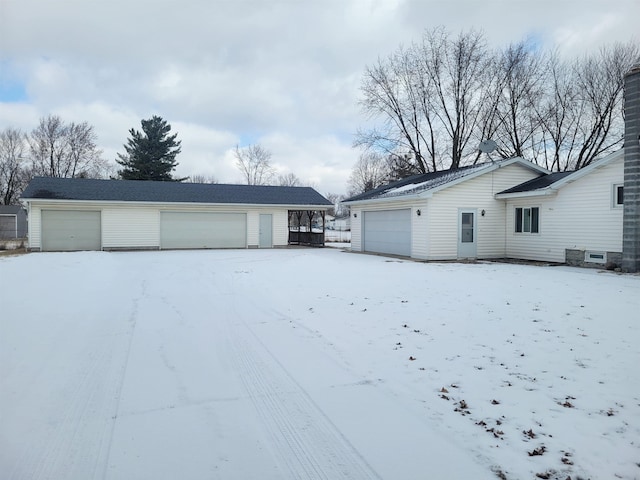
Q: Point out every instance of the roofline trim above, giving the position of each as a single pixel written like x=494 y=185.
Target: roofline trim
x=542 y=192
x=490 y=167
x=567 y=179
x=59 y=201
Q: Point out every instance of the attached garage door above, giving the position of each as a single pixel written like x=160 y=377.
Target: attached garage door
x=70 y=230
x=388 y=231
x=203 y=230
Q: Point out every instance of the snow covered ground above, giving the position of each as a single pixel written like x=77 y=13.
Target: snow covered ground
x=314 y=363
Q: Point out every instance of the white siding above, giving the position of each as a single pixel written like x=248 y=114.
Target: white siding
x=477 y=193
x=356 y=229
x=580 y=216
x=35 y=221
x=280 y=227
x=138 y=226
x=253 y=228
x=419 y=230
x=130 y=228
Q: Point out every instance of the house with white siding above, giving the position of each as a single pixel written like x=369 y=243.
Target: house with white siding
x=574 y=217
x=440 y=215
x=504 y=209
x=89 y=214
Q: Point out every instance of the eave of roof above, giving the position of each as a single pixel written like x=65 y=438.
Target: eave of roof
x=424 y=186
x=291 y=206
x=47 y=189
x=562 y=179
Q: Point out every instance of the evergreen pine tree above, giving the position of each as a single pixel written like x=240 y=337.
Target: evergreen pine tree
x=151 y=154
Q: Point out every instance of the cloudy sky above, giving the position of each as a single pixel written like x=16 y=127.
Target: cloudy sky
x=282 y=73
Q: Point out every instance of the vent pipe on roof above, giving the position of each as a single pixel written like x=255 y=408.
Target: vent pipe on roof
x=631 y=216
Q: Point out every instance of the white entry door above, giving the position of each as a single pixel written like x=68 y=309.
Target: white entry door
x=467 y=226
x=265 y=239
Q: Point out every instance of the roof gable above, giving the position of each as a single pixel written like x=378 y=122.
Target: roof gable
x=49 y=188
x=551 y=182
x=424 y=184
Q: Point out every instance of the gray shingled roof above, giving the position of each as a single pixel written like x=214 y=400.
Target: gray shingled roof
x=169 y=192
x=537 y=183
x=418 y=183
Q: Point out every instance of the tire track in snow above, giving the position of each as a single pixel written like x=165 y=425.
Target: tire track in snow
x=308 y=444
x=76 y=444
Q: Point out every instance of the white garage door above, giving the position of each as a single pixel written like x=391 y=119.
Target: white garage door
x=388 y=231
x=203 y=230
x=70 y=230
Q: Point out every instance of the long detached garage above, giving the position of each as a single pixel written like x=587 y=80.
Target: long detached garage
x=89 y=214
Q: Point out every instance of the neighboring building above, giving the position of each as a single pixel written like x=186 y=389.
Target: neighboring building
x=342 y=223
x=13 y=222
x=88 y=214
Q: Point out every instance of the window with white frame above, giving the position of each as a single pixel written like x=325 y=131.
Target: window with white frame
x=618 y=195
x=527 y=219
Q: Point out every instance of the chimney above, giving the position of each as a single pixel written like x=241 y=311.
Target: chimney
x=631 y=216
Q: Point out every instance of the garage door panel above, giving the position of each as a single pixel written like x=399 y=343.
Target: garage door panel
x=203 y=230
x=70 y=230
x=388 y=231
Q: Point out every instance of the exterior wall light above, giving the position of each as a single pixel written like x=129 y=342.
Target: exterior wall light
x=418 y=212
x=355 y=215
x=482 y=212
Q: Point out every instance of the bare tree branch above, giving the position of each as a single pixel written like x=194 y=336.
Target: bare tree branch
x=254 y=162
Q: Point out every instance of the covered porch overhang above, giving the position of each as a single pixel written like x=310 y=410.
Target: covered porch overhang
x=307 y=227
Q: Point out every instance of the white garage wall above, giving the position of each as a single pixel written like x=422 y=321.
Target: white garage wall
x=435 y=231
x=356 y=229
x=130 y=228
x=34 y=221
x=476 y=193
x=280 y=227
x=418 y=223
x=138 y=226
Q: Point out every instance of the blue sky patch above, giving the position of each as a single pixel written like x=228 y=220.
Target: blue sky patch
x=12 y=92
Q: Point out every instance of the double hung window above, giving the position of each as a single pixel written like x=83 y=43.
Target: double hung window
x=527 y=219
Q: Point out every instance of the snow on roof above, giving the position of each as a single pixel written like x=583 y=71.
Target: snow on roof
x=419 y=183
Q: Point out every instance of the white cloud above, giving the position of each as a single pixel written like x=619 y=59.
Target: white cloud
x=284 y=73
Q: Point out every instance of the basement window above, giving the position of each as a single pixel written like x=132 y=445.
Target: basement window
x=527 y=219
x=595 y=257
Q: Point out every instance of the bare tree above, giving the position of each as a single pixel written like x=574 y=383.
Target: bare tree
x=370 y=171
x=65 y=150
x=600 y=82
x=289 y=180
x=201 y=178
x=430 y=98
x=581 y=116
x=392 y=91
x=511 y=115
x=254 y=162
x=338 y=209
x=13 y=173
x=436 y=100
